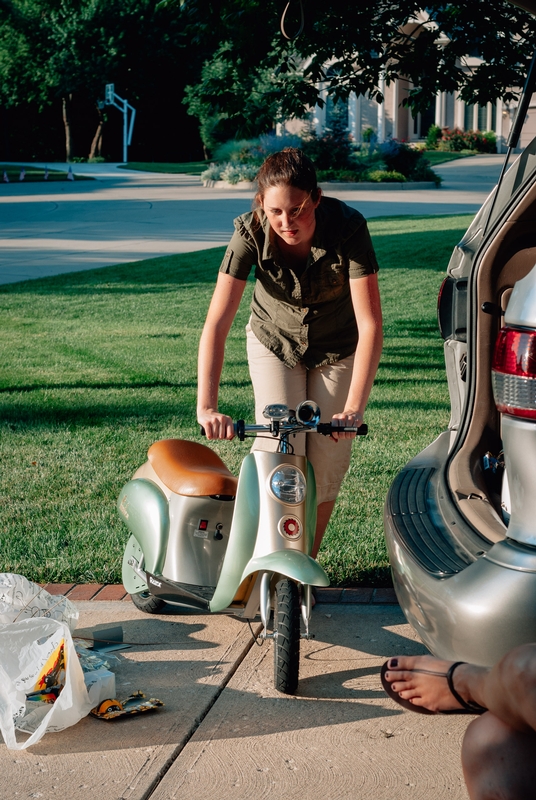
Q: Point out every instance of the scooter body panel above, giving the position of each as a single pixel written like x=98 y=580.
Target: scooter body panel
x=310 y=509
x=272 y=534
x=145 y=511
x=198 y=534
x=199 y=529
x=268 y=532
x=242 y=537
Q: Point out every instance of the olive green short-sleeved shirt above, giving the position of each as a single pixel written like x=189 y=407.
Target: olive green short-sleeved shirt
x=307 y=317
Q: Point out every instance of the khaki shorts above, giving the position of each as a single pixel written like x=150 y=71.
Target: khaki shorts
x=328 y=386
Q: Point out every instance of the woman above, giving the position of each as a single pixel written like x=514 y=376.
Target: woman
x=315 y=327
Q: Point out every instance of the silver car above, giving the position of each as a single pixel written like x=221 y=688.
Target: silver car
x=460 y=518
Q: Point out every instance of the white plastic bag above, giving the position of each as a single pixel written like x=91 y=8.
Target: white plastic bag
x=34 y=655
x=21 y=598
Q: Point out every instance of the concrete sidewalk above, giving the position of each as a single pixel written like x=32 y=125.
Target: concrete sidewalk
x=225 y=732
x=122 y=215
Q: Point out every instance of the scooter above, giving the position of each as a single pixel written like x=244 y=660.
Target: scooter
x=205 y=540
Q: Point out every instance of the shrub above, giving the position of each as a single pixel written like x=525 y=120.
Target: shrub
x=213 y=173
x=456 y=140
x=254 y=151
x=384 y=176
x=231 y=172
x=334 y=156
x=490 y=138
x=328 y=151
x=235 y=150
x=333 y=150
x=433 y=136
x=424 y=172
x=234 y=173
x=399 y=157
x=368 y=135
x=341 y=175
x=270 y=143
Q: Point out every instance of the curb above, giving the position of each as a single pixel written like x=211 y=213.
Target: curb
x=116 y=592
x=349 y=186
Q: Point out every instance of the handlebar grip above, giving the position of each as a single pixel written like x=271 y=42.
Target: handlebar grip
x=238 y=426
x=326 y=429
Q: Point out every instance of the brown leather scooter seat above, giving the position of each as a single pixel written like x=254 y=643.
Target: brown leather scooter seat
x=190 y=468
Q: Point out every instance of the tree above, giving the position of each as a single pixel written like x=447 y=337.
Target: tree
x=354 y=47
x=71 y=48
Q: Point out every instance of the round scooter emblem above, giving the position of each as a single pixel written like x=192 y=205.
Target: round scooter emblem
x=290 y=528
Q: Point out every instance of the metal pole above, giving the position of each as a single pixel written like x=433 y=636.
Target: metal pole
x=113 y=99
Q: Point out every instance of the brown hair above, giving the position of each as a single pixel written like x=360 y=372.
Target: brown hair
x=288 y=167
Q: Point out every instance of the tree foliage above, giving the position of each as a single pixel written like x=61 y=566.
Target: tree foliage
x=53 y=49
x=351 y=47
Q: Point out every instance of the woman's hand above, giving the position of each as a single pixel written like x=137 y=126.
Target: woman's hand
x=216 y=425
x=346 y=418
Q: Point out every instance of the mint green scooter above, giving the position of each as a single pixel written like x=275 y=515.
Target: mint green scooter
x=203 y=539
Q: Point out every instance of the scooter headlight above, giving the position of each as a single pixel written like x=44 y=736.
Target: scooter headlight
x=288 y=485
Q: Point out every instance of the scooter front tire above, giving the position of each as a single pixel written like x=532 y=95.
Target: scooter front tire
x=287 y=638
x=147 y=602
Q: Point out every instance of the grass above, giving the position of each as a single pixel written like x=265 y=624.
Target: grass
x=436 y=157
x=97 y=365
x=34 y=174
x=187 y=168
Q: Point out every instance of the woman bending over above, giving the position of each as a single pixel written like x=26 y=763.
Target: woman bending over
x=315 y=331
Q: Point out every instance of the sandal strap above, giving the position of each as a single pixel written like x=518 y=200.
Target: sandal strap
x=467 y=704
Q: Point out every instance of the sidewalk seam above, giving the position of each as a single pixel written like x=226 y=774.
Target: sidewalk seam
x=199 y=719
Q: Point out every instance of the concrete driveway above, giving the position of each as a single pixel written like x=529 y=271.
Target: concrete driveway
x=122 y=216
x=225 y=733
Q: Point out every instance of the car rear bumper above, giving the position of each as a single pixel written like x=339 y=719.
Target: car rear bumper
x=465 y=603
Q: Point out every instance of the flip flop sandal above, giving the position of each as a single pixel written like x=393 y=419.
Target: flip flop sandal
x=468 y=707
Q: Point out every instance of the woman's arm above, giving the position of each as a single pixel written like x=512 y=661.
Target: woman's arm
x=367 y=308
x=221 y=313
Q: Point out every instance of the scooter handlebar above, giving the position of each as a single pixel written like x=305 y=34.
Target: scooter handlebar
x=238 y=426
x=325 y=428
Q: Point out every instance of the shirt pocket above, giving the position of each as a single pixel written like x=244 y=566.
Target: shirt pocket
x=332 y=281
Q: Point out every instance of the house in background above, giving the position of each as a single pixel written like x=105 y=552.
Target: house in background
x=391 y=119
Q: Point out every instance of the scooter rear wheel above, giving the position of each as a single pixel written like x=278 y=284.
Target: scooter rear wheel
x=147 y=602
x=287 y=638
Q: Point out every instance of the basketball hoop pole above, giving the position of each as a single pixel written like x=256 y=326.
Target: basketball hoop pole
x=113 y=99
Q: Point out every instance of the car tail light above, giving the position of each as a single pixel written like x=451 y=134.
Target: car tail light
x=514 y=372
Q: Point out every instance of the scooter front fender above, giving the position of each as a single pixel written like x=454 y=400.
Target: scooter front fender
x=292 y=564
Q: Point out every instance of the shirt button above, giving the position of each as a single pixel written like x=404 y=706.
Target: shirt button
x=315 y=311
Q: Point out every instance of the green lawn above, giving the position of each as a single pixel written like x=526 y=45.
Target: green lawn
x=188 y=167
x=436 y=157
x=34 y=174
x=97 y=365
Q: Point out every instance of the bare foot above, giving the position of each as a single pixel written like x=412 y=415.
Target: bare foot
x=422 y=681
